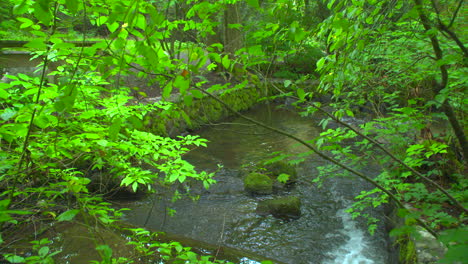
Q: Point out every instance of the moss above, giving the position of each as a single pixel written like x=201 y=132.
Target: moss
x=257 y=183
x=280 y=167
x=205 y=110
x=407 y=250
x=288 y=207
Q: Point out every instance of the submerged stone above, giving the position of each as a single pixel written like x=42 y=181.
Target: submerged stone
x=288 y=207
x=257 y=183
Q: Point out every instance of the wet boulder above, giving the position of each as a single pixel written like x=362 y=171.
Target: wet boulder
x=281 y=167
x=257 y=183
x=286 y=208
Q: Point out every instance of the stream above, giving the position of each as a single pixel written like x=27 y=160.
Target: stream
x=226 y=215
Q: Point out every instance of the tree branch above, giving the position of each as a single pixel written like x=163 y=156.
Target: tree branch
x=399 y=161
x=441 y=26
x=455 y=13
x=322 y=155
x=446 y=107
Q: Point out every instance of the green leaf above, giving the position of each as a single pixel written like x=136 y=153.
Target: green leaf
x=157 y=18
x=181 y=83
x=67 y=101
x=283 y=178
x=349 y=113
x=21 y=8
x=102 y=142
x=167 y=90
x=43 y=251
x=114 y=129
x=14 y=258
x=106 y=253
x=90 y=135
x=7 y=114
x=140 y=22
x=101 y=20
x=42 y=12
x=206 y=184
x=300 y=34
x=68 y=215
x=320 y=63
x=126 y=181
x=226 y=62
x=4 y=94
x=26 y=22
x=178 y=247
x=197 y=94
x=113 y=27
x=300 y=93
x=4 y=204
x=182 y=178
x=36 y=44
x=173 y=177
x=42 y=121
x=455 y=254
x=458 y=235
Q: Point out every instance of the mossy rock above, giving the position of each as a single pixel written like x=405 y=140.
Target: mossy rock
x=407 y=250
x=288 y=207
x=257 y=183
x=282 y=167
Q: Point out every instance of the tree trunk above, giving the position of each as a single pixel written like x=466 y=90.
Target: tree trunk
x=233 y=39
x=446 y=107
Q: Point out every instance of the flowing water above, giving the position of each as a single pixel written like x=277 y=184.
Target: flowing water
x=226 y=215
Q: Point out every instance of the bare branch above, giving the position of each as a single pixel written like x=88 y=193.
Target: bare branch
x=323 y=156
x=455 y=14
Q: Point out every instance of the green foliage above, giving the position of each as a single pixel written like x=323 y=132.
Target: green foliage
x=304 y=61
x=456 y=240
x=73 y=128
x=380 y=60
x=146 y=243
x=44 y=256
x=76 y=119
